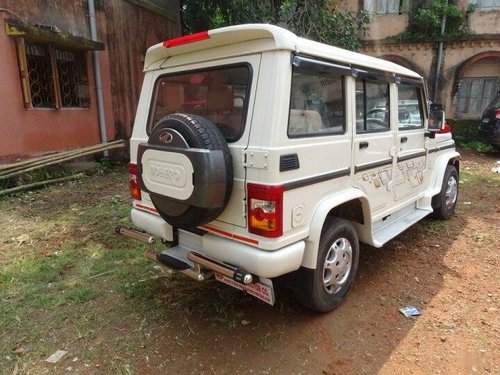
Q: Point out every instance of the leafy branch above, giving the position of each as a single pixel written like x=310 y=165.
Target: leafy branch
x=425 y=22
x=318 y=20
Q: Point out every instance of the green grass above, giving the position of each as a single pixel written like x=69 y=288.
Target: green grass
x=56 y=283
x=73 y=284
x=66 y=279
x=434 y=226
x=466 y=135
x=474 y=144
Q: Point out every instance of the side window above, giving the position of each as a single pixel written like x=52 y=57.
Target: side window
x=372 y=106
x=317 y=105
x=410 y=114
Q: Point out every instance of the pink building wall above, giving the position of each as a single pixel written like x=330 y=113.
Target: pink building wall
x=29 y=132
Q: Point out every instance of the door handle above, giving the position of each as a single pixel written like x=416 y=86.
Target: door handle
x=404 y=139
x=363 y=145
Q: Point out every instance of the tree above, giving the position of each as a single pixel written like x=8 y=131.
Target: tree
x=319 y=20
x=426 y=20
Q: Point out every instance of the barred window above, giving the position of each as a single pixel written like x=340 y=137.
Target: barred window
x=53 y=77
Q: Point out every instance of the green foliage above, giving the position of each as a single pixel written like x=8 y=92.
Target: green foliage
x=434 y=227
x=466 y=136
x=425 y=22
x=102 y=166
x=473 y=144
x=319 y=20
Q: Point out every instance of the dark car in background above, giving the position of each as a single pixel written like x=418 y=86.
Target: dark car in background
x=489 y=128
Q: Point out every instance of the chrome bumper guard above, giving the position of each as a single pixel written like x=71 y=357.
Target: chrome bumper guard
x=194 y=264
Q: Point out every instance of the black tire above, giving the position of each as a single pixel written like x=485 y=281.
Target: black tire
x=198 y=132
x=312 y=288
x=445 y=202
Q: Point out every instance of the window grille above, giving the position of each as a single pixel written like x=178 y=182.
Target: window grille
x=40 y=76
x=72 y=79
x=52 y=77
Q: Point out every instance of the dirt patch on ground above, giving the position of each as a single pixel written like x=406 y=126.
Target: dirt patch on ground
x=127 y=317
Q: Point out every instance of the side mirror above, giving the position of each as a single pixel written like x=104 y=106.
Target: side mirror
x=436 y=120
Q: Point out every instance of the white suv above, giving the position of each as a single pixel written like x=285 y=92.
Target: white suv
x=259 y=154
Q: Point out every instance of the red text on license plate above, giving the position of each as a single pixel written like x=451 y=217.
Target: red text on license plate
x=261 y=291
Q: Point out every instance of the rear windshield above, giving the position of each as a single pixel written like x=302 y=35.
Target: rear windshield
x=218 y=94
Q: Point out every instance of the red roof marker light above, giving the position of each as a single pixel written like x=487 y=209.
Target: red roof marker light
x=186 y=39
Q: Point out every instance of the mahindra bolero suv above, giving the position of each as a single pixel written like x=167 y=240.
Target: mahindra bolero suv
x=258 y=154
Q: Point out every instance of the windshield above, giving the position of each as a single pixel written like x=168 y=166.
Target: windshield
x=219 y=95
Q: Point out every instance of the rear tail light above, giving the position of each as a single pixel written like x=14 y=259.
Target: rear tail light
x=186 y=39
x=265 y=210
x=133 y=176
x=497 y=113
x=446 y=129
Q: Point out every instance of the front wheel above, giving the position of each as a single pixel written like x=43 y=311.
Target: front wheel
x=324 y=288
x=444 y=203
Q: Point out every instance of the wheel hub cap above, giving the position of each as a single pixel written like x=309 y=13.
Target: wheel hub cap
x=337 y=265
x=451 y=192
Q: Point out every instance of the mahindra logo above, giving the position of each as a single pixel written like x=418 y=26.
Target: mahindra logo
x=166 y=138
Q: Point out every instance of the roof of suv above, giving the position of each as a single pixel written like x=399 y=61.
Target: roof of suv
x=273 y=38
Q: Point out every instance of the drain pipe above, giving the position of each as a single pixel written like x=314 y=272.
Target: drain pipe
x=439 y=57
x=97 y=74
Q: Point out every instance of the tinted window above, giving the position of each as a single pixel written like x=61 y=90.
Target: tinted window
x=409 y=107
x=316 y=103
x=372 y=106
x=219 y=95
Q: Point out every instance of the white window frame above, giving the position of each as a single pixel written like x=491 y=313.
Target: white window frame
x=386 y=7
x=468 y=98
x=485 y=4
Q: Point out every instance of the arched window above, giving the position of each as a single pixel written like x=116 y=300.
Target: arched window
x=477 y=84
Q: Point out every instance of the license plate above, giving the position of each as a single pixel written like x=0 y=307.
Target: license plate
x=262 y=290
x=486 y=119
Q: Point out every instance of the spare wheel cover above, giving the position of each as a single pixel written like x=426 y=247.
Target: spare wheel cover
x=186 y=167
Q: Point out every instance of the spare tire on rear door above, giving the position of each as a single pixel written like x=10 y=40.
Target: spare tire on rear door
x=186 y=167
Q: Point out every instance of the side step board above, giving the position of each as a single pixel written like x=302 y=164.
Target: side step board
x=385 y=230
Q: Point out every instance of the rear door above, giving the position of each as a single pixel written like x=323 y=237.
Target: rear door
x=223 y=92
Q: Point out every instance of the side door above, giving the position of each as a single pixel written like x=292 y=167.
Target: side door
x=410 y=174
x=374 y=143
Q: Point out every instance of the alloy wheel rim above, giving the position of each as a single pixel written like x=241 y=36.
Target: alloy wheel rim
x=337 y=266
x=451 y=192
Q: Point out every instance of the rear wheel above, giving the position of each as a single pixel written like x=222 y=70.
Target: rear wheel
x=444 y=203
x=324 y=288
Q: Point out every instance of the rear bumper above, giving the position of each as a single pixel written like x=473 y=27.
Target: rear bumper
x=263 y=263
x=492 y=136
x=153 y=224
